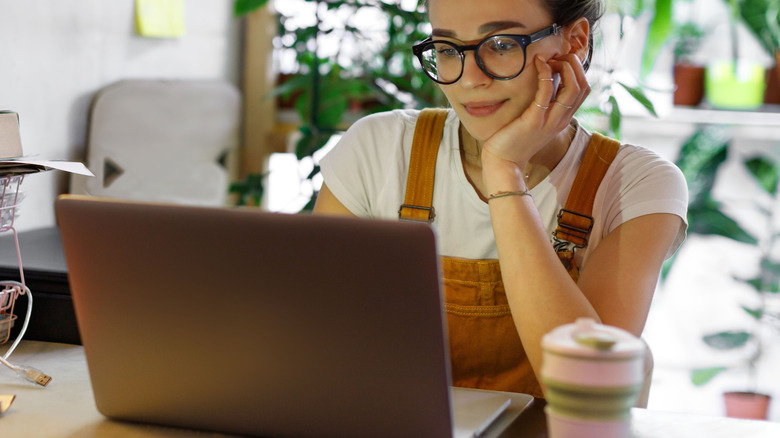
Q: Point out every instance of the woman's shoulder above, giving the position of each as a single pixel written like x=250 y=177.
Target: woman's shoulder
x=628 y=154
x=389 y=119
x=640 y=158
x=392 y=119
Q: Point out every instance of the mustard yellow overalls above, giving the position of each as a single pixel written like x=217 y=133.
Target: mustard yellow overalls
x=485 y=349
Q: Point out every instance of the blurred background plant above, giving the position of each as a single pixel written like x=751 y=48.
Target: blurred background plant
x=342 y=59
x=648 y=21
x=353 y=57
x=702 y=159
x=762 y=18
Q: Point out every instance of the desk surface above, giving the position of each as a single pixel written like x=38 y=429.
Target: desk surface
x=66 y=408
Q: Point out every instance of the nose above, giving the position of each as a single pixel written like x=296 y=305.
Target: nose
x=473 y=76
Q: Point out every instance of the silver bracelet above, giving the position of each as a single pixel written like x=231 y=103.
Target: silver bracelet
x=503 y=194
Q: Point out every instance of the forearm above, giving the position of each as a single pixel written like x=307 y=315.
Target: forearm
x=540 y=292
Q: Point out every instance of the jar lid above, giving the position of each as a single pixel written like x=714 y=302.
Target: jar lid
x=587 y=338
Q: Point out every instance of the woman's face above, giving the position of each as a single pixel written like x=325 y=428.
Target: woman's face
x=484 y=105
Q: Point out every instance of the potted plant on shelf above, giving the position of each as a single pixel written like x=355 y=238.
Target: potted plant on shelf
x=701 y=158
x=688 y=72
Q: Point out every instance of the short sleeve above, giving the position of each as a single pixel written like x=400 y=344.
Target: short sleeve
x=368 y=157
x=647 y=184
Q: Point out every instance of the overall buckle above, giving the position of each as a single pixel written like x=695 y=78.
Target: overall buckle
x=431 y=213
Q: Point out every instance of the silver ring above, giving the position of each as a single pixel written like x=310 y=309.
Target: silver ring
x=542 y=107
x=565 y=106
x=546 y=79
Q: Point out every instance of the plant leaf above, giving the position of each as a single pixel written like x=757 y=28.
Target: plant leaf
x=614 y=117
x=755 y=313
x=700 y=158
x=707 y=219
x=660 y=26
x=704 y=375
x=639 y=95
x=728 y=340
x=241 y=7
x=766 y=173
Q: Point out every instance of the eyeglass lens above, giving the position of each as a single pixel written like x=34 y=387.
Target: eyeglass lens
x=498 y=56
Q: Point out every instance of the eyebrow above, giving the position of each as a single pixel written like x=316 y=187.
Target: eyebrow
x=484 y=29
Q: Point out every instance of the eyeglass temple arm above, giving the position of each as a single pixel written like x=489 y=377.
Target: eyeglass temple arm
x=552 y=30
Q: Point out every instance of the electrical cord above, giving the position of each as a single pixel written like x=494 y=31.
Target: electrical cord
x=26 y=372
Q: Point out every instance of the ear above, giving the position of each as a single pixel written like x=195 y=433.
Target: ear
x=576 y=37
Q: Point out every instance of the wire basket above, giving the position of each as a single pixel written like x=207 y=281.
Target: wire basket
x=9 y=203
x=7 y=300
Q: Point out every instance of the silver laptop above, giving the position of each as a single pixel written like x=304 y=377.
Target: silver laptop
x=256 y=323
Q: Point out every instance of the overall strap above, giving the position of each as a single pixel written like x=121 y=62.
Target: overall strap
x=575 y=219
x=418 y=203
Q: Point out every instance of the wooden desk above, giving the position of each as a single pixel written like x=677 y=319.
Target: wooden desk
x=66 y=408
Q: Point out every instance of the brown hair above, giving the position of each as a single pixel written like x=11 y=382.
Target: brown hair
x=566 y=12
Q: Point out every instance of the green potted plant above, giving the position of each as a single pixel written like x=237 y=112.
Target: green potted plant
x=701 y=158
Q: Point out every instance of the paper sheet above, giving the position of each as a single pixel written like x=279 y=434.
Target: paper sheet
x=23 y=165
x=160 y=18
x=475 y=411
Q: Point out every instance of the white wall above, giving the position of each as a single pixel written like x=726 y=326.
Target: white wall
x=56 y=54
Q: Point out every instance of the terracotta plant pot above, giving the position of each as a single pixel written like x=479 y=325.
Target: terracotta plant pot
x=746 y=405
x=688 y=84
x=772 y=94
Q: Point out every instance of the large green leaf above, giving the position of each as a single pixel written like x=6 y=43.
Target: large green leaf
x=762 y=18
x=700 y=158
x=707 y=219
x=702 y=376
x=660 y=27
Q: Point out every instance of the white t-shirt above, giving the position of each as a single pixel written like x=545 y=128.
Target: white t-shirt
x=367 y=170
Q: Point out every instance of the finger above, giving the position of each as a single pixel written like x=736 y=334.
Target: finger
x=575 y=87
x=545 y=90
x=563 y=101
x=569 y=93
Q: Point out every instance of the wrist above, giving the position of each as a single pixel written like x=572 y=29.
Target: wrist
x=502 y=175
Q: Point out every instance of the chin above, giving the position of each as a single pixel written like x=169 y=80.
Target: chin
x=482 y=128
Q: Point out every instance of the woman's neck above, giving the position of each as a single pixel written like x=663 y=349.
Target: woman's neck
x=537 y=168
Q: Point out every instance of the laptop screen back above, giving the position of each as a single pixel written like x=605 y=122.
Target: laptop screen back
x=257 y=323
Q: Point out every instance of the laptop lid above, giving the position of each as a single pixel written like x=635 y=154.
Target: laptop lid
x=258 y=323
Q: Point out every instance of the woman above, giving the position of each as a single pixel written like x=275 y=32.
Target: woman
x=508 y=156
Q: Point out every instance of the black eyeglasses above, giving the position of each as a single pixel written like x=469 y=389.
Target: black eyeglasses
x=499 y=56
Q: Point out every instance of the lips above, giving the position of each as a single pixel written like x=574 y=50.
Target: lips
x=482 y=109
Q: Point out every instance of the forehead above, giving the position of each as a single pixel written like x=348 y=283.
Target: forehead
x=468 y=19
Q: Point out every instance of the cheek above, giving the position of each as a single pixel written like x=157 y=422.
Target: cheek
x=525 y=86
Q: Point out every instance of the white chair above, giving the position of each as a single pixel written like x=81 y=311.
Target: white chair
x=162 y=140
